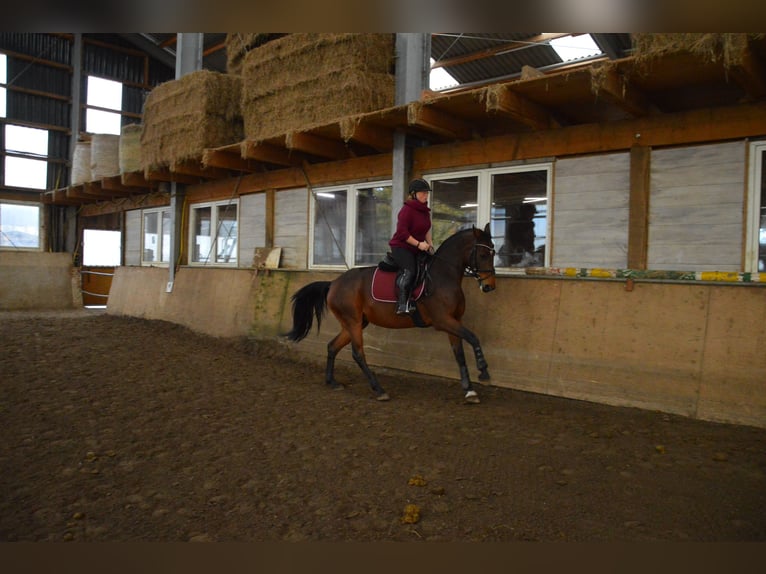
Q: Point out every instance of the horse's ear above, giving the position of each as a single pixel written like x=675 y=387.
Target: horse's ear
x=487 y=231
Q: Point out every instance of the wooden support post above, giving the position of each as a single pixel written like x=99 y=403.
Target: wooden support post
x=638 y=221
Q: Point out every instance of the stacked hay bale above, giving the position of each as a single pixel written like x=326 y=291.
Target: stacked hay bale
x=104 y=156
x=306 y=79
x=183 y=117
x=712 y=46
x=240 y=43
x=81 y=163
x=130 y=148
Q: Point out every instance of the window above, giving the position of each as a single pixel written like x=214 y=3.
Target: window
x=519 y=216
x=101 y=248
x=351 y=225
x=105 y=94
x=155 y=237
x=756 y=236
x=350 y=232
x=515 y=202
x=214 y=229
x=19 y=226
x=3 y=82
x=24 y=147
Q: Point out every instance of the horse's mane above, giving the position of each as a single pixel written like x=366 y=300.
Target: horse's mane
x=458 y=235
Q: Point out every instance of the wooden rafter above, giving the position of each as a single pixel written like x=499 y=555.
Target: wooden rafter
x=319 y=146
x=750 y=74
x=503 y=100
x=377 y=137
x=435 y=121
x=197 y=169
x=268 y=153
x=618 y=91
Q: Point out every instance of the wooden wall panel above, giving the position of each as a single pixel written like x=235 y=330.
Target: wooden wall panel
x=590 y=211
x=252 y=226
x=133 y=237
x=291 y=208
x=696 y=208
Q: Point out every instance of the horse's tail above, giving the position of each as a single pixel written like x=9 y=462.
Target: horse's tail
x=308 y=301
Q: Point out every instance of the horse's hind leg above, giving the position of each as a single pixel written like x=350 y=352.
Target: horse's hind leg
x=465 y=380
x=333 y=348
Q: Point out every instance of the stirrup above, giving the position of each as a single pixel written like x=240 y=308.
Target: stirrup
x=403 y=309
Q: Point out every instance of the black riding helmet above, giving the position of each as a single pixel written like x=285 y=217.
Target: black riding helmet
x=418 y=185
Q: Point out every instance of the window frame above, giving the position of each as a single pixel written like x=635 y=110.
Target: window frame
x=104 y=110
x=484 y=197
x=160 y=211
x=352 y=210
x=32 y=159
x=756 y=167
x=216 y=207
x=39 y=226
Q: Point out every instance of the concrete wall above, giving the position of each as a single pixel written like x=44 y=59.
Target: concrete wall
x=690 y=349
x=38 y=280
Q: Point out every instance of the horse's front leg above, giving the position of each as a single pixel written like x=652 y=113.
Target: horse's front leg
x=481 y=361
x=465 y=380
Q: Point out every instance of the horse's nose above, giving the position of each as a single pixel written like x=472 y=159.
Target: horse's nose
x=487 y=288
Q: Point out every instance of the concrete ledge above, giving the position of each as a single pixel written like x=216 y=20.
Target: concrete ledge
x=38 y=280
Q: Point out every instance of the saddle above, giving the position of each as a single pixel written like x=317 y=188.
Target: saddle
x=384 y=279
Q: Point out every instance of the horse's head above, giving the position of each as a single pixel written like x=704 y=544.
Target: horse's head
x=481 y=262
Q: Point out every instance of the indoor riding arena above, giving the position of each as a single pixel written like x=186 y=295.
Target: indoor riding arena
x=148 y=392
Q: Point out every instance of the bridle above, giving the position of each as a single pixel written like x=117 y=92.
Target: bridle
x=472 y=269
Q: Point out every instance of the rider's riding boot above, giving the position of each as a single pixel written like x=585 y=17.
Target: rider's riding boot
x=404 y=283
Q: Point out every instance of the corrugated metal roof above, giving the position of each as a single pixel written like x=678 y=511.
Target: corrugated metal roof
x=481 y=57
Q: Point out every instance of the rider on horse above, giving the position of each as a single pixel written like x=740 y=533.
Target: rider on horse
x=412 y=235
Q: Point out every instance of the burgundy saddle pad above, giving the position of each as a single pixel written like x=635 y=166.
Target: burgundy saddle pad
x=384 y=287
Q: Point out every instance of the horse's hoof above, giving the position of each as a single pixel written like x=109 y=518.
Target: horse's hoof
x=335 y=386
x=471 y=398
x=383 y=397
x=484 y=375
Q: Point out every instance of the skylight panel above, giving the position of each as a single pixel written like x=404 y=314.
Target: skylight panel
x=571 y=48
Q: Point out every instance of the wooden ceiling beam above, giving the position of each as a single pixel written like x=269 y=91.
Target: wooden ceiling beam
x=96 y=189
x=431 y=119
x=195 y=168
x=227 y=160
x=377 y=137
x=136 y=179
x=616 y=89
x=170 y=176
x=750 y=74
x=59 y=197
x=114 y=184
x=503 y=100
x=268 y=153
x=319 y=146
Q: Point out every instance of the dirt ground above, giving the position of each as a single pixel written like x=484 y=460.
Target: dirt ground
x=122 y=429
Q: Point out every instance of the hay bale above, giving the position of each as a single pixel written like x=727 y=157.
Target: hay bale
x=238 y=44
x=712 y=46
x=299 y=58
x=104 y=156
x=183 y=117
x=316 y=102
x=302 y=80
x=130 y=148
x=81 y=163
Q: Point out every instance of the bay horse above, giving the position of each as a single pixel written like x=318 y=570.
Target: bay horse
x=469 y=252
